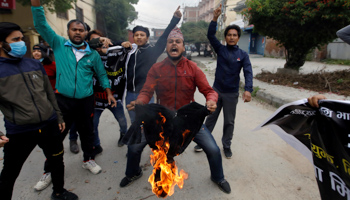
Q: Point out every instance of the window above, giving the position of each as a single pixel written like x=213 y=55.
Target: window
x=79 y=13
x=63 y=15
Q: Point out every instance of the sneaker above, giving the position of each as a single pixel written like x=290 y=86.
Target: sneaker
x=73 y=145
x=44 y=182
x=92 y=166
x=97 y=150
x=66 y=195
x=120 y=143
x=228 y=153
x=197 y=148
x=127 y=181
x=223 y=185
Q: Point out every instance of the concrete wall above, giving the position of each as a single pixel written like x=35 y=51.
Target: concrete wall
x=338 y=49
x=244 y=41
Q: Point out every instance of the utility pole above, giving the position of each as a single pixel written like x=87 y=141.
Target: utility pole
x=223 y=13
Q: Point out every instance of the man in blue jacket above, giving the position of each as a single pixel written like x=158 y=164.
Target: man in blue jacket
x=31 y=114
x=231 y=59
x=75 y=63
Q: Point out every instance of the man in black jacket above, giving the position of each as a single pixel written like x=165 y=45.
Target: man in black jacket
x=145 y=56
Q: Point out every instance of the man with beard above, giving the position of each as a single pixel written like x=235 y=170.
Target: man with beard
x=144 y=57
x=76 y=63
x=175 y=80
x=31 y=114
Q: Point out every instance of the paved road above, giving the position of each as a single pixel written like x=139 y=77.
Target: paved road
x=262 y=167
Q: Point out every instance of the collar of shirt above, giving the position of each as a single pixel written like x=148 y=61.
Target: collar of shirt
x=87 y=49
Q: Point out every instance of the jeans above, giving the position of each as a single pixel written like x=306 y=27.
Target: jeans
x=73 y=135
x=228 y=103
x=19 y=148
x=119 y=115
x=132 y=96
x=203 y=138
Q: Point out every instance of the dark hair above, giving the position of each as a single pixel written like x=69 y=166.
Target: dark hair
x=97 y=32
x=6 y=28
x=87 y=26
x=237 y=28
x=45 y=53
x=141 y=28
x=78 y=22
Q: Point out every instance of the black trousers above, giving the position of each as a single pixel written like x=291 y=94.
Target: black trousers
x=17 y=150
x=80 y=112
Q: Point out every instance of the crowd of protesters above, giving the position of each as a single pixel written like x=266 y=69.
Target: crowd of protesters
x=70 y=82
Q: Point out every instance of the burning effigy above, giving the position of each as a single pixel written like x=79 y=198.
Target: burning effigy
x=168 y=133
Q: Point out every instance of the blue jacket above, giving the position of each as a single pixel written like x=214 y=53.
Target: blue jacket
x=230 y=61
x=73 y=79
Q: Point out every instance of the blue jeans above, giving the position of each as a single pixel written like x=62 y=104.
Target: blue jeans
x=119 y=115
x=203 y=138
x=132 y=96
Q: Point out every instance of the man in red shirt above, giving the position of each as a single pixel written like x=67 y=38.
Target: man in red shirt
x=175 y=80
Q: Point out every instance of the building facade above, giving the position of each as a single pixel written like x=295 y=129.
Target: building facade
x=22 y=15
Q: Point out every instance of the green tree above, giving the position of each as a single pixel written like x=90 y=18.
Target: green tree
x=298 y=25
x=116 y=14
x=53 y=5
x=195 y=32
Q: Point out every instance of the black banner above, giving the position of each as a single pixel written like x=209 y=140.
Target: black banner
x=323 y=136
x=114 y=63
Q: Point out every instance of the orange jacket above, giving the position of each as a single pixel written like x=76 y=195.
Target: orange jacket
x=175 y=90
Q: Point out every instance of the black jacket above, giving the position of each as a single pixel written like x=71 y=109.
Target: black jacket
x=145 y=56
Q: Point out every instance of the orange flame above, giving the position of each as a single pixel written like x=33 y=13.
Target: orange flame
x=165 y=175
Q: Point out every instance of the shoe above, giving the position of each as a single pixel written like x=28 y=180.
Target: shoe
x=44 y=182
x=120 y=143
x=228 y=153
x=223 y=185
x=73 y=145
x=66 y=195
x=197 y=148
x=127 y=181
x=97 y=150
x=92 y=166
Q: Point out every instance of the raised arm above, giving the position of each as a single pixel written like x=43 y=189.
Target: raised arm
x=212 y=30
x=41 y=24
x=161 y=43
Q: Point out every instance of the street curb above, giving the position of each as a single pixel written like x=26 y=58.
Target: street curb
x=262 y=94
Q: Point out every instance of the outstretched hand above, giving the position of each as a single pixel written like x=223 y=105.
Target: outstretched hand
x=178 y=13
x=217 y=13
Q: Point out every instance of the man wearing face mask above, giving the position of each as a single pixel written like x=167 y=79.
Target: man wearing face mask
x=75 y=63
x=31 y=114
